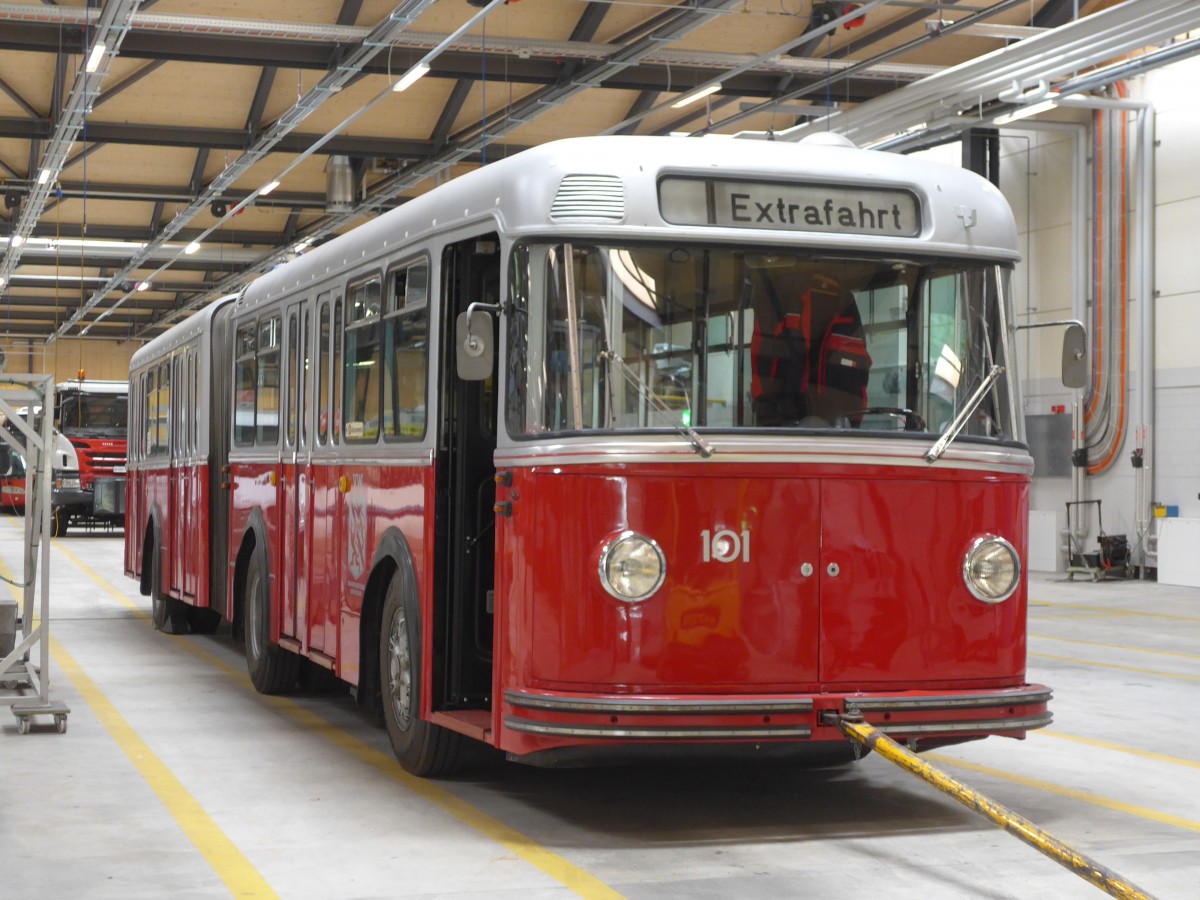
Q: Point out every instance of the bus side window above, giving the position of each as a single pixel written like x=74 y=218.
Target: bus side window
x=149 y=412
x=293 y=380
x=193 y=406
x=175 y=448
x=336 y=372
x=305 y=369
x=323 y=371
x=363 y=359
x=516 y=383
x=406 y=352
x=245 y=378
x=162 y=423
x=266 y=409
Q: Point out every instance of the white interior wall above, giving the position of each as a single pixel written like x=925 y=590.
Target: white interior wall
x=1172 y=90
x=1037 y=168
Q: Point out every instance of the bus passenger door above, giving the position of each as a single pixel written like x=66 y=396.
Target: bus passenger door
x=466 y=491
x=179 y=505
x=295 y=487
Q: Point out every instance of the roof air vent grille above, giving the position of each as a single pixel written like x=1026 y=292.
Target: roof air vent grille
x=589 y=197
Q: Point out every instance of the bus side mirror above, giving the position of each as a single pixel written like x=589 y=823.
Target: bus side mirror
x=6 y=466
x=475 y=349
x=1074 y=356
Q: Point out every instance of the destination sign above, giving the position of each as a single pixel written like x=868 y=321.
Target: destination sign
x=837 y=209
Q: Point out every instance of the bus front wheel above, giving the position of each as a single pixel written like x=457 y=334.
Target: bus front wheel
x=59 y=520
x=422 y=748
x=273 y=670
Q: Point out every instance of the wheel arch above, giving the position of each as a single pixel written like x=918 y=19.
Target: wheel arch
x=254 y=541
x=151 y=543
x=391 y=556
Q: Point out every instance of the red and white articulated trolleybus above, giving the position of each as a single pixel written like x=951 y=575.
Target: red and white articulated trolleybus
x=617 y=448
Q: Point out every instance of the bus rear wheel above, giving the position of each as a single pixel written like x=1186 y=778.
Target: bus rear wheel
x=422 y=748
x=170 y=616
x=273 y=670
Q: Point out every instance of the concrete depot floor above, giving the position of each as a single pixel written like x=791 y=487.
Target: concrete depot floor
x=176 y=779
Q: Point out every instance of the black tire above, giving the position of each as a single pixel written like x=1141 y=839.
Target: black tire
x=423 y=749
x=59 y=520
x=170 y=616
x=273 y=670
x=203 y=621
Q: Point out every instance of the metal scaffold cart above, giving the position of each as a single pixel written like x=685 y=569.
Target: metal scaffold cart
x=27 y=404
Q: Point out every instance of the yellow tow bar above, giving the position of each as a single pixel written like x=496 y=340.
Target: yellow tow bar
x=856 y=728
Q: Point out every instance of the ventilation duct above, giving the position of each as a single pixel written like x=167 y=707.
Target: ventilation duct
x=339 y=185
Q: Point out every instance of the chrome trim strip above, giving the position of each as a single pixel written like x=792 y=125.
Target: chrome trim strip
x=951 y=701
x=991 y=726
x=424 y=461
x=806 y=449
x=528 y=726
x=652 y=706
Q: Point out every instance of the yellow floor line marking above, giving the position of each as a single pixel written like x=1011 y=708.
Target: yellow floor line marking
x=1115 y=612
x=1101 y=665
x=578 y=880
x=1131 y=809
x=1091 y=617
x=1119 y=748
x=227 y=861
x=1050 y=637
x=242 y=879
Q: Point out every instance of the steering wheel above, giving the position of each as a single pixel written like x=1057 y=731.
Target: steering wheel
x=912 y=421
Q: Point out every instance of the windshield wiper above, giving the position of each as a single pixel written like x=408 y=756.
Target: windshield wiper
x=698 y=443
x=943 y=443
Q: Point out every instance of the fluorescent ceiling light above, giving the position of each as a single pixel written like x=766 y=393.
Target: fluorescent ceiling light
x=16 y=240
x=191 y=248
x=267 y=188
x=983 y=29
x=1025 y=112
x=696 y=95
x=96 y=56
x=43 y=176
x=406 y=81
x=143 y=286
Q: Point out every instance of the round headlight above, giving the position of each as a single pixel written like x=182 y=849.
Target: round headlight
x=991 y=569
x=632 y=567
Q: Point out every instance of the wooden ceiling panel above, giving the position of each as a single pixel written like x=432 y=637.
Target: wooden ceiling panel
x=186 y=98
x=131 y=164
x=198 y=94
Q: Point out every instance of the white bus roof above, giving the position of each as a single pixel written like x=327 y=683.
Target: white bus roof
x=87 y=386
x=963 y=215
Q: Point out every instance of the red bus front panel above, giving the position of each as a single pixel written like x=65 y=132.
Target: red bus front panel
x=714 y=623
x=785 y=597
x=898 y=611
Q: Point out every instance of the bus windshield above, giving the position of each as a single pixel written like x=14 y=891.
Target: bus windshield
x=651 y=336
x=93 y=415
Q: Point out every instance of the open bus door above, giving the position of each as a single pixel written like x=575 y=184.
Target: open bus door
x=466 y=493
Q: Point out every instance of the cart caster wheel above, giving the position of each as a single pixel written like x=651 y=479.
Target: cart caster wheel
x=23 y=725
x=60 y=722
x=1096 y=577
